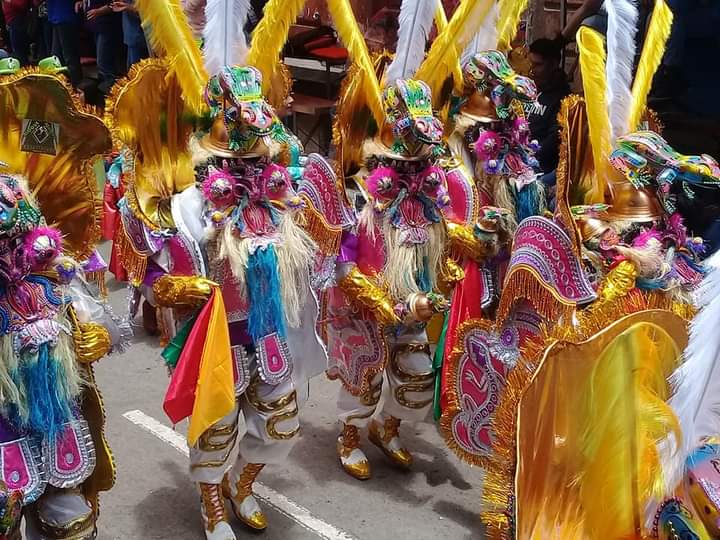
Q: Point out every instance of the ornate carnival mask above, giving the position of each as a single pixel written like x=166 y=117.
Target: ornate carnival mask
x=408 y=106
x=413 y=194
x=249 y=193
x=489 y=71
x=235 y=97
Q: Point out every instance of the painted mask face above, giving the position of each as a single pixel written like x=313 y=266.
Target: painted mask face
x=413 y=198
x=408 y=105
x=236 y=93
x=252 y=194
x=489 y=71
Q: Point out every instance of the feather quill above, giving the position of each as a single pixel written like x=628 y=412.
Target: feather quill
x=486 y=38
x=652 y=53
x=509 y=16
x=696 y=383
x=621 y=30
x=441 y=23
x=592 y=65
x=224 y=34
x=269 y=38
x=169 y=33
x=416 y=20
x=440 y=60
x=354 y=41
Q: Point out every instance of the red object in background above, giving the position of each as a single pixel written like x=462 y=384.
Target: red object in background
x=111 y=228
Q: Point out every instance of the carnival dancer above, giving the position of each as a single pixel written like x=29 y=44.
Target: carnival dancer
x=393 y=260
x=238 y=260
x=55 y=456
x=588 y=397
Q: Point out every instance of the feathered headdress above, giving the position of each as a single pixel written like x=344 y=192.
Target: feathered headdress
x=416 y=20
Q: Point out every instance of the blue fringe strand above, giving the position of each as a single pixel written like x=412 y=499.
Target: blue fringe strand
x=48 y=407
x=528 y=201
x=263 y=282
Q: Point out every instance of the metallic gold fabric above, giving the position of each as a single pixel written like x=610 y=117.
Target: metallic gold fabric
x=65 y=184
x=618 y=283
x=359 y=288
x=182 y=291
x=463 y=239
x=586 y=429
x=146 y=113
x=92 y=342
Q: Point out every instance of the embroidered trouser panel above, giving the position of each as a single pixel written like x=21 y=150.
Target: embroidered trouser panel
x=262 y=428
x=409 y=389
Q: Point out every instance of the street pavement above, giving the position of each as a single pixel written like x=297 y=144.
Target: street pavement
x=308 y=498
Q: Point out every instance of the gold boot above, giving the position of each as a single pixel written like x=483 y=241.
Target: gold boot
x=240 y=494
x=215 y=518
x=387 y=438
x=352 y=458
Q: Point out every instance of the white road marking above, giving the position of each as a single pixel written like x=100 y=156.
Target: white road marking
x=279 y=502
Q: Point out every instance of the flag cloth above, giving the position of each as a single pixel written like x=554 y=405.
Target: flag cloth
x=202 y=385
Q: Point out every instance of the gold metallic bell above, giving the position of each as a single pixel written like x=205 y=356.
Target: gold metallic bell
x=480 y=108
x=217 y=142
x=632 y=204
x=591 y=227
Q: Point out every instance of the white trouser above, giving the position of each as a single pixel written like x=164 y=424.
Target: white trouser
x=262 y=428
x=409 y=390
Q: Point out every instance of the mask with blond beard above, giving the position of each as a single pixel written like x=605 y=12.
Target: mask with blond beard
x=251 y=204
x=407 y=198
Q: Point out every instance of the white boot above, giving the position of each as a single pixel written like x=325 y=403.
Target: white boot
x=214 y=517
x=352 y=458
x=237 y=487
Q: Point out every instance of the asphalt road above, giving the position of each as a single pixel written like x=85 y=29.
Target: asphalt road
x=309 y=498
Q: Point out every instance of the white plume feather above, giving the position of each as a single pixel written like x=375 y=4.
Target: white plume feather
x=486 y=38
x=224 y=34
x=696 y=383
x=621 y=30
x=416 y=20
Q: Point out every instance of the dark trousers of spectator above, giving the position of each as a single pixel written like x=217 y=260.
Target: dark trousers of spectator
x=135 y=53
x=66 y=46
x=44 y=38
x=107 y=45
x=19 y=39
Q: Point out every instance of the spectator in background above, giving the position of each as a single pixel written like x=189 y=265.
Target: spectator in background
x=66 y=36
x=43 y=31
x=106 y=27
x=133 y=35
x=17 y=18
x=545 y=56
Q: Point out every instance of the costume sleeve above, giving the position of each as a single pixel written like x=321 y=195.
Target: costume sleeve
x=471 y=242
x=182 y=291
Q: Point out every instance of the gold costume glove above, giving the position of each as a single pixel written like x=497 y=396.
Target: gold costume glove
x=464 y=239
x=618 y=282
x=451 y=272
x=182 y=291
x=92 y=342
x=363 y=291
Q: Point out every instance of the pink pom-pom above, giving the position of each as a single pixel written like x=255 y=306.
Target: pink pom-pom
x=42 y=246
x=521 y=131
x=219 y=188
x=487 y=145
x=433 y=181
x=276 y=179
x=383 y=182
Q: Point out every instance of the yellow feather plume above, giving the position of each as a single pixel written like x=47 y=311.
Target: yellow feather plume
x=440 y=62
x=510 y=13
x=441 y=22
x=626 y=415
x=351 y=36
x=652 y=53
x=269 y=38
x=591 y=47
x=169 y=33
